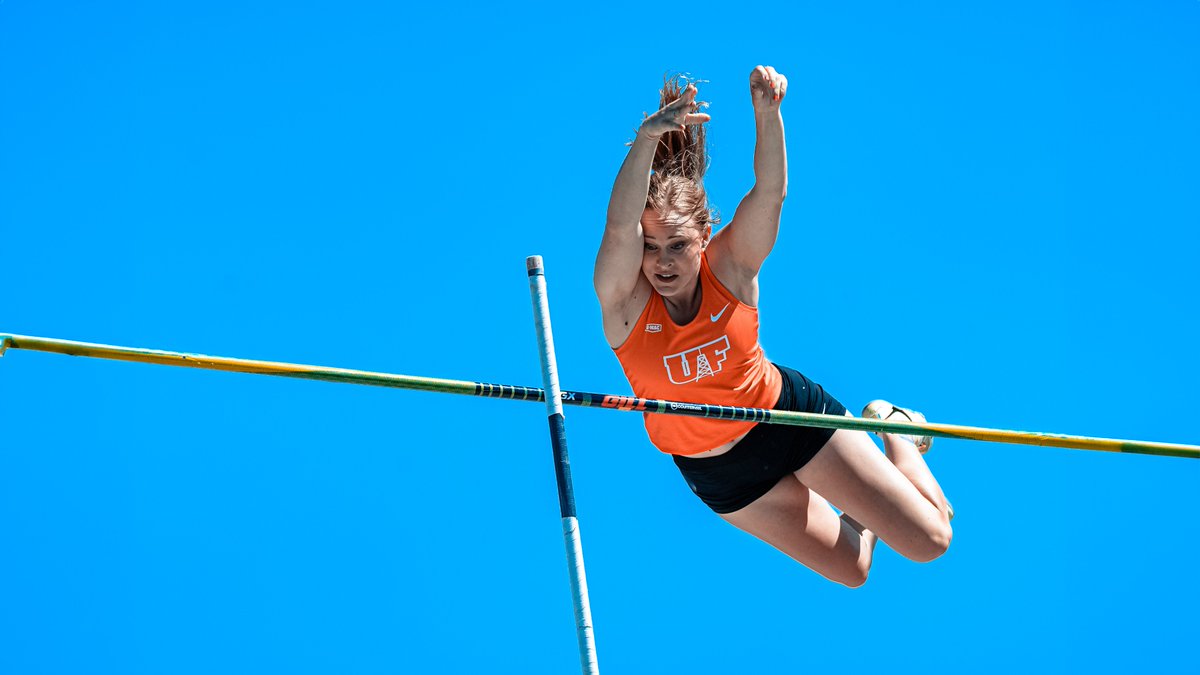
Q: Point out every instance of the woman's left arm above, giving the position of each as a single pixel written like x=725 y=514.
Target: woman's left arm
x=746 y=241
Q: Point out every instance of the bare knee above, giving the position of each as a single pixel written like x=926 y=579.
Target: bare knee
x=934 y=544
x=856 y=578
x=852 y=576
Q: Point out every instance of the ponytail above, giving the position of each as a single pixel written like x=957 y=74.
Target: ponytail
x=680 y=153
x=680 y=160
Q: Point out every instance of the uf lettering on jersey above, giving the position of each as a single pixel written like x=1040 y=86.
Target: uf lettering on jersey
x=693 y=364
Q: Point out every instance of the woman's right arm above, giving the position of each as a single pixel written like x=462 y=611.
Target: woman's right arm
x=619 y=262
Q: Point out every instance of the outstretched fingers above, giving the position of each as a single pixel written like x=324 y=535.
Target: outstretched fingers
x=676 y=115
x=687 y=109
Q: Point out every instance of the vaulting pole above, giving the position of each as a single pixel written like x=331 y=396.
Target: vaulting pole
x=562 y=466
x=579 y=398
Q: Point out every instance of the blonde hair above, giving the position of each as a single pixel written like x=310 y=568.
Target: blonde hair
x=680 y=160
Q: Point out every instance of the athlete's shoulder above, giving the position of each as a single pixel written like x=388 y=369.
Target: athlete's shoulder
x=739 y=280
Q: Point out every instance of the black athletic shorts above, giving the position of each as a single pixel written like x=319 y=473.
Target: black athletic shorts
x=767 y=453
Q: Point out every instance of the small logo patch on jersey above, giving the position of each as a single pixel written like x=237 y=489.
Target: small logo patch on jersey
x=714 y=317
x=654 y=328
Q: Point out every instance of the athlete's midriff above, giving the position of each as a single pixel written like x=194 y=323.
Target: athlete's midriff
x=714 y=359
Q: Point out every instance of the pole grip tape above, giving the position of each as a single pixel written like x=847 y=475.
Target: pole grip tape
x=562 y=465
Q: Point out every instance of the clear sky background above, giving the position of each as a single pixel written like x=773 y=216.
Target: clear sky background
x=992 y=218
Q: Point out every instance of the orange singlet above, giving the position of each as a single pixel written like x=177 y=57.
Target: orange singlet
x=714 y=359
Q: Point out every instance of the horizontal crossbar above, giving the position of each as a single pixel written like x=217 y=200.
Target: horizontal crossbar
x=586 y=399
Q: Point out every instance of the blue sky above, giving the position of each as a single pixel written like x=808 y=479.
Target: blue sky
x=992 y=218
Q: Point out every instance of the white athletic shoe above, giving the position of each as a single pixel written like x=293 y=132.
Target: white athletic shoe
x=882 y=410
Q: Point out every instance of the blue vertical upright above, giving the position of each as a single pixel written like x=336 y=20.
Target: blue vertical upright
x=562 y=466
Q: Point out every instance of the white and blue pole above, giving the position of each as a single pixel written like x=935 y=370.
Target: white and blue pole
x=562 y=466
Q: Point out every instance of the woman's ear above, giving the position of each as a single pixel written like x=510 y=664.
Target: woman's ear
x=707 y=236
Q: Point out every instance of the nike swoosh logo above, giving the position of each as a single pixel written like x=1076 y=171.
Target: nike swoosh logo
x=714 y=317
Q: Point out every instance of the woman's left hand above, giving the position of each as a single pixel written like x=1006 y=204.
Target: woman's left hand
x=767 y=89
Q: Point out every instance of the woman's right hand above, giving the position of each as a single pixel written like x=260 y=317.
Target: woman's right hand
x=675 y=116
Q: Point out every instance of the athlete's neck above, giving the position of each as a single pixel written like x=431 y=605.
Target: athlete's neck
x=684 y=307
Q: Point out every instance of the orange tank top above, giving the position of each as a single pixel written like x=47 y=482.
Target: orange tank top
x=714 y=359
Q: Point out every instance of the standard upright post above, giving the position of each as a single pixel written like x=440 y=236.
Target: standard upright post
x=562 y=466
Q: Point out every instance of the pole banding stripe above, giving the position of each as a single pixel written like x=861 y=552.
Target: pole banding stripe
x=533 y=265
x=562 y=464
x=591 y=400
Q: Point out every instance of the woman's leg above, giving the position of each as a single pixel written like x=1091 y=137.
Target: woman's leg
x=905 y=457
x=899 y=500
x=799 y=522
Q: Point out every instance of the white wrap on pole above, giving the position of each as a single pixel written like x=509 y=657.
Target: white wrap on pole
x=579 y=596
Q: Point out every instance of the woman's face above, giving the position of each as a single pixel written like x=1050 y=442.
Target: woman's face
x=671 y=253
